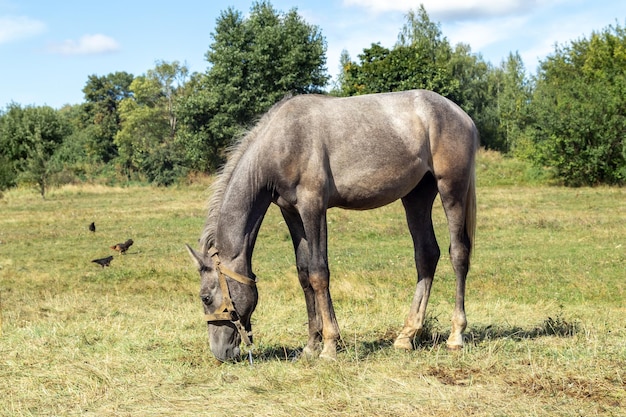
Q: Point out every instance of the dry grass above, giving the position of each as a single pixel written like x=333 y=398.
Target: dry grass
x=545 y=304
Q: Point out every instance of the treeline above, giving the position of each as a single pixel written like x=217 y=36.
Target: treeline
x=158 y=127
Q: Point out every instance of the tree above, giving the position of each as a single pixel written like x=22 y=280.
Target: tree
x=11 y=147
x=423 y=58
x=146 y=141
x=341 y=84
x=373 y=74
x=171 y=78
x=7 y=172
x=513 y=100
x=30 y=137
x=196 y=111
x=420 y=59
x=103 y=95
x=475 y=91
x=75 y=158
x=579 y=110
x=254 y=62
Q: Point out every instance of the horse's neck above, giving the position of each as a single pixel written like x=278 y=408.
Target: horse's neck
x=241 y=213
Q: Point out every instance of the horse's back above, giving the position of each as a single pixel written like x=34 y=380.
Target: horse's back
x=368 y=150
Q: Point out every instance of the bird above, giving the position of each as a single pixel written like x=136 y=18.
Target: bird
x=122 y=247
x=103 y=261
x=92 y=227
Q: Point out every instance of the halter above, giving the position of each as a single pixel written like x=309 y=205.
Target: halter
x=226 y=311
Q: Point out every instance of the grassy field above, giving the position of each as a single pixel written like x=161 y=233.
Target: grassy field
x=545 y=304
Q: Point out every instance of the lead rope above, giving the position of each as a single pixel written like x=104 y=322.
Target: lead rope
x=250 y=347
x=245 y=337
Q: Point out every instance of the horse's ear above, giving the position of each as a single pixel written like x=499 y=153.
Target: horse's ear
x=197 y=258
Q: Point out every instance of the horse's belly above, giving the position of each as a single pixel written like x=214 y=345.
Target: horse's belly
x=374 y=189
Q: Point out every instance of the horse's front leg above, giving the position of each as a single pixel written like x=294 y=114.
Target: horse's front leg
x=314 y=222
x=319 y=279
x=301 y=249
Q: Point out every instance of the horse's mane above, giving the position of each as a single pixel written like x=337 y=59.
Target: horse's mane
x=225 y=173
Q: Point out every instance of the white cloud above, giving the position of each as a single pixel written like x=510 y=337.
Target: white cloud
x=86 y=45
x=560 y=32
x=480 y=34
x=449 y=9
x=13 y=28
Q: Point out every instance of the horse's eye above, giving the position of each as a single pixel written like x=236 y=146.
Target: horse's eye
x=206 y=299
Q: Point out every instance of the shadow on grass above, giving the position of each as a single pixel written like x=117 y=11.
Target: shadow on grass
x=552 y=326
x=277 y=353
x=291 y=353
x=431 y=338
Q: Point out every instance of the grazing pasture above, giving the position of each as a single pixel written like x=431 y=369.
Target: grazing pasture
x=545 y=304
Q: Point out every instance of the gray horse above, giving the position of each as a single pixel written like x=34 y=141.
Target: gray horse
x=310 y=153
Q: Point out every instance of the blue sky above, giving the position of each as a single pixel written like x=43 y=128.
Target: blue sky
x=49 y=48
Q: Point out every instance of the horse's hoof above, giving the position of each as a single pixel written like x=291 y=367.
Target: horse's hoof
x=403 y=343
x=329 y=353
x=308 y=353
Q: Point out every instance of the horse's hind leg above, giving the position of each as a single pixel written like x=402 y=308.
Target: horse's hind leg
x=301 y=249
x=454 y=196
x=418 y=207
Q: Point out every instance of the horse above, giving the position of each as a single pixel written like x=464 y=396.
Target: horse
x=309 y=153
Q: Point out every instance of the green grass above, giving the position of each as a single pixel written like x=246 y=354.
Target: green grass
x=545 y=304
x=495 y=169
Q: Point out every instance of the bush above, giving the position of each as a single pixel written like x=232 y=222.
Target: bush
x=579 y=111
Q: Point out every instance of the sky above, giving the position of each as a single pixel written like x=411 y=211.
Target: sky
x=48 y=49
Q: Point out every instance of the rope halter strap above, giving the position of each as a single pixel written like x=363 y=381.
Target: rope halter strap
x=226 y=311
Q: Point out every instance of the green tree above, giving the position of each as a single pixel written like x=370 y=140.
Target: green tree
x=30 y=136
x=579 y=110
x=11 y=148
x=420 y=59
x=475 y=91
x=513 y=100
x=254 y=62
x=196 y=112
x=341 y=84
x=103 y=95
x=171 y=78
x=146 y=140
x=75 y=158
x=8 y=176
x=423 y=58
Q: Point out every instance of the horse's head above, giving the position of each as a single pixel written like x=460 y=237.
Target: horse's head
x=229 y=299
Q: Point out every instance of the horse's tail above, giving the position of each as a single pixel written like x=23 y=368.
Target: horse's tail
x=470 y=204
x=470 y=211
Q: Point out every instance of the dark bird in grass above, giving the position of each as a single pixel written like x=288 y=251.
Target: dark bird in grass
x=122 y=247
x=103 y=261
x=92 y=227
